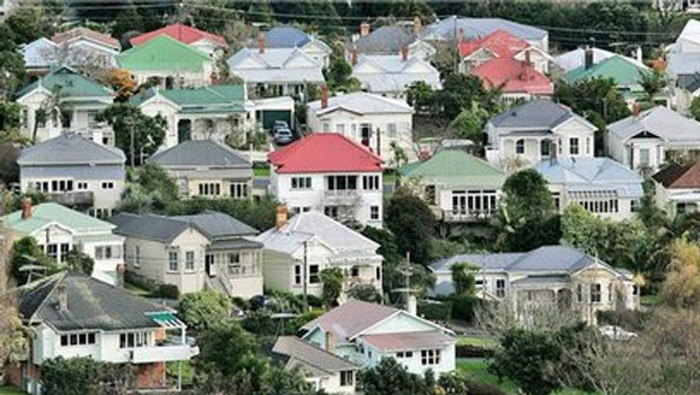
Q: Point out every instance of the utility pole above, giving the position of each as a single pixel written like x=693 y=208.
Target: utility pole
x=304 y=279
x=132 y=144
x=407 y=272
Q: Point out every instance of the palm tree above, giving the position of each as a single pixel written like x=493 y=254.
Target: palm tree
x=653 y=83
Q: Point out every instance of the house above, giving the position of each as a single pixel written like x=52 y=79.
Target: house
x=453 y=28
x=39 y=56
x=329 y=173
x=458 y=187
x=81 y=46
x=211 y=44
x=391 y=39
x=683 y=58
x=600 y=185
x=72 y=315
x=192 y=252
x=501 y=44
x=75 y=172
x=167 y=63
x=324 y=370
x=554 y=276
x=297 y=250
x=644 y=139
x=275 y=71
x=65 y=99
x=291 y=37
x=58 y=229
x=677 y=188
x=390 y=75
x=517 y=80
x=218 y=112
x=379 y=123
x=207 y=169
x=623 y=71
x=577 y=58
x=536 y=130
x=365 y=333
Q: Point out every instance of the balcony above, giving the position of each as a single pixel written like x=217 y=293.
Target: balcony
x=163 y=353
x=73 y=199
x=341 y=197
x=466 y=216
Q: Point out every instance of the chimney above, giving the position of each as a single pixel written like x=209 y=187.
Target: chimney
x=404 y=53
x=364 y=29
x=281 y=217
x=588 y=58
x=528 y=58
x=353 y=55
x=324 y=95
x=417 y=26
x=26 y=207
x=62 y=297
x=525 y=70
x=635 y=110
x=330 y=342
x=261 y=42
x=412 y=305
x=638 y=54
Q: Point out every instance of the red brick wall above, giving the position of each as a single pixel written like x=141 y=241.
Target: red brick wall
x=151 y=375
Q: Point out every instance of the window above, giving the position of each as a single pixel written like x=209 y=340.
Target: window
x=353 y=131
x=430 y=357
x=370 y=183
x=172 y=261
x=374 y=213
x=137 y=256
x=189 y=260
x=107 y=185
x=297 y=274
x=475 y=203
x=92 y=118
x=25 y=118
x=301 y=182
x=545 y=147
x=430 y=195
x=520 y=146
x=331 y=211
x=588 y=145
x=79 y=339
x=644 y=157
x=579 y=293
x=82 y=186
x=595 y=293
x=52 y=251
x=210 y=189
x=391 y=130
x=556 y=196
x=342 y=183
x=399 y=354
x=314 y=275
x=354 y=271
x=346 y=378
x=134 y=339
x=610 y=292
x=238 y=190
x=634 y=206
x=234 y=264
x=340 y=128
x=573 y=146
x=500 y=288
x=378 y=273
x=326 y=127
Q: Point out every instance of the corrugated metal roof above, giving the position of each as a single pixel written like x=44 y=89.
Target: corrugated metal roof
x=319 y=360
x=183 y=33
x=680 y=177
x=46 y=213
x=394 y=74
x=351 y=318
x=286 y=37
x=386 y=40
x=660 y=121
x=540 y=114
x=362 y=103
x=70 y=148
x=163 y=53
x=473 y=28
x=455 y=167
x=621 y=70
x=391 y=342
x=71 y=84
x=40 y=53
x=201 y=153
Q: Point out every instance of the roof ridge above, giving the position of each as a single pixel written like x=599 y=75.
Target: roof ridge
x=57 y=278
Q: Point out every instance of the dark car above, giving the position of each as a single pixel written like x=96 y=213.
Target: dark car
x=279 y=125
x=283 y=136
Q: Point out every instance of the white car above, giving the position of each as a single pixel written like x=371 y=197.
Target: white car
x=613 y=332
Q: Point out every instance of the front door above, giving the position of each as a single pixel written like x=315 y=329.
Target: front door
x=209 y=264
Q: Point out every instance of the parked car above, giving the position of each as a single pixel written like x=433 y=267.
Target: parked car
x=283 y=136
x=279 y=125
x=613 y=332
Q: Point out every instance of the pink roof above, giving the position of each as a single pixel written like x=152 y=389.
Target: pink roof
x=183 y=33
x=98 y=37
x=324 y=153
x=500 y=43
x=351 y=318
x=409 y=341
x=515 y=76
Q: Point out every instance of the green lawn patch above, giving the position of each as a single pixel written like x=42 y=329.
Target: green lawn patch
x=649 y=300
x=171 y=369
x=485 y=342
x=389 y=177
x=136 y=290
x=7 y=390
x=261 y=171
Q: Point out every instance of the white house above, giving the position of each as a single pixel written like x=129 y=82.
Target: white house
x=600 y=185
x=81 y=46
x=291 y=37
x=643 y=140
x=390 y=75
x=65 y=99
x=210 y=249
x=72 y=315
x=377 y=122
x=550 y=276
x=75 y=172
x=528 y=133
x=324 y=370
x=211 y=44
x=329 y=173
x=58 y=230
x=678 y=188
x=298 y=249
x=365 y=333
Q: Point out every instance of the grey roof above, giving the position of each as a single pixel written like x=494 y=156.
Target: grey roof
x=351 y=318
x=661 y=122
x=92 y=305
x=683 y=63
x=592 y=174
x=200 y=153
x=312 y=359
x=539 y=280
x=393 y=74
x=386 y=40
x=274 y=66
x=40 y=53
x=286 y=37
x=218 y=225
x=363 y=103
x=539 y=114
x=479 y=27
x=70 y=148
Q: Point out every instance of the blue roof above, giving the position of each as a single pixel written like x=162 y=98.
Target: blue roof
x=286 y=37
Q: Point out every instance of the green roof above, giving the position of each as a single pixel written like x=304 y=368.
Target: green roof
x=215 y=98
x=621 y=70
x=45 y=213
x=71 y=83
x=163 y=53
x=454 y=167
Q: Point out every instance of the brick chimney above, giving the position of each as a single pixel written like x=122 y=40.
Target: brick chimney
x=324 y=95
x=528 y=58
x=364 y=29
x=62 y=297
x=588 y=58
x=261 y=42
x=26 y=207
x=417 y=26
x=353 y=55
x=281 y=216
x=635 y=110
x=404 y=53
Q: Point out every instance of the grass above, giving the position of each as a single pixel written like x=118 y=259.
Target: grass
x=7 y=390
x=389 y=177
x=171 y=369
x=649 y=300
x=134 y=289
x=485 y=342
x=261 y=171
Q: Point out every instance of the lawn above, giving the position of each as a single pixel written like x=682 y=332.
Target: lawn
x=4 y=390
x=187 y=371
x=485 y=342
x=134 y=289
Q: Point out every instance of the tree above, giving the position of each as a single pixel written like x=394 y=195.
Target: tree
x=339 y=76
x=695 y=108
x=653 y=83
x=412 y=222
x=78 y=261
x=148 y=189
x=26 y=251
x=458 y=93
x=390 y=377
x=421 y=96
x=332 y=280
x=74 y=376
x=365 y=293
x=204 y=309
x=469 y=124
x=123 y=83
x=258 y=213
x=129 y=122
x=682 y=285
x=463 y=279
x=9 y=170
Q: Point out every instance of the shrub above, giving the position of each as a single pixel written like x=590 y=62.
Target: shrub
x=167 y=291
x=435 y=311
x=631 y=320
x=472 y=351
x=479 y=388
x=463 y=307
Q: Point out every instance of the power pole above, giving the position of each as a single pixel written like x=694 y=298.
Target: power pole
x=304 y=279
x=407 y=272
x=132 y=145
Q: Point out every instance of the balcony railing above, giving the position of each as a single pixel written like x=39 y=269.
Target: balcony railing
x=344 y=195
x=163 y=353
x=463 y=215
x=83 y=198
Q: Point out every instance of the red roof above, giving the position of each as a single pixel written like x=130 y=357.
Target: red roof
x=84 y=32
x=324 y=153
x=515 y=76
x=183 y=33
x=500 y=43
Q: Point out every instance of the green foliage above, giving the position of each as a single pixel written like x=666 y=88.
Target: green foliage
x=653 y=84
x=78 y=261
x=390 y=377
x=695 y=108
x=204 y=309
x=421 y=96
x=9 y=170
x=435 y=311
x=631 y=320
x=332 y=281
x=223 y=349
x=148 y=132
x=26 y=251
x=527 y=195
x=409 y=218
x=469 y=124
x=458 y=93
x=10 y=116
x=365 y=293
x=463 y=278
x=167 y=291
x=77 y=376
x=148 y=189
x=463 y=306
x=258 y=213
x=339 y=76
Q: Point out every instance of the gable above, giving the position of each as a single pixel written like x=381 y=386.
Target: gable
x=480 y=54
x=418 y=67
x=400 y=322
x=366 y=67
x=315 y=46
x=299 y=60
x=51 y=231
x=574 y=124
x=189 y=235
x=250 y=62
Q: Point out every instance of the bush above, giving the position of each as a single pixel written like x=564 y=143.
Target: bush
x=479 y=388
x=631 y=320
x=167 y=291
x=435 y=311
x=140 y=282
x=463 y=307
x=472 y=351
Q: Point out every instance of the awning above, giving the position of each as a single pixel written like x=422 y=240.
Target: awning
x=593 y=195
x=166 y=320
